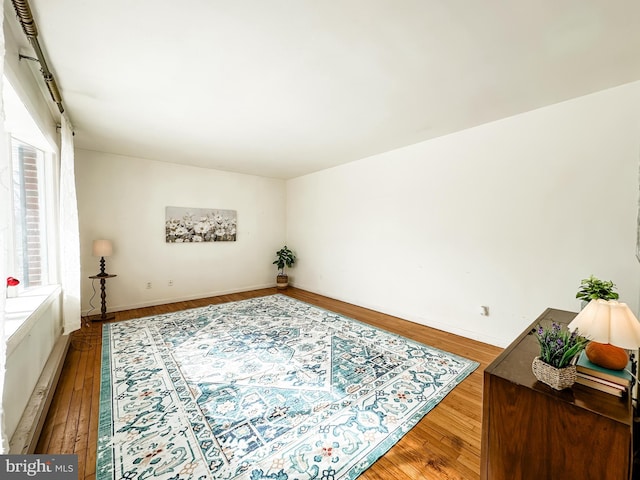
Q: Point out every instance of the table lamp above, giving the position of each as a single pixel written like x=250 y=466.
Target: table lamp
x=612 y=328
x=102 y=248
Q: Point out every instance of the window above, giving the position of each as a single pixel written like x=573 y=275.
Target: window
x=32 y=203
x=29 y=209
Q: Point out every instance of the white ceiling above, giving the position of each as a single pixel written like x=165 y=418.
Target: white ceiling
x=281 y=88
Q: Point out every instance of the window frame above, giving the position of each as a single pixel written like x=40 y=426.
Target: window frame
x=45 y=179
x=24 y=129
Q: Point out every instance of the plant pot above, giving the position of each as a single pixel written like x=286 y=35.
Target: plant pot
x=12 y=291
x=556 y=378
x=282 y=281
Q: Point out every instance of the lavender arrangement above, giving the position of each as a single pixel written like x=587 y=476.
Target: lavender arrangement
x=558 y=346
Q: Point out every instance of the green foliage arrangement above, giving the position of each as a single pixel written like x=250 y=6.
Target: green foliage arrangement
x=284 y=256
x=593 y=288
x=558 y=346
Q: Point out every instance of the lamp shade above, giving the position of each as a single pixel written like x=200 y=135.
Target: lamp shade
x=102 y=248
x=608 y=321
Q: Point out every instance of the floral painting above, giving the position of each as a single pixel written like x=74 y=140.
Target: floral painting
x=193 y=225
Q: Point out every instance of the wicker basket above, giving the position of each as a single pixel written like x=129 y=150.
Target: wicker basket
x=558 y=378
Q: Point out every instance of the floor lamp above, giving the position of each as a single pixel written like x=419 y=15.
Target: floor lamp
x=103 y=248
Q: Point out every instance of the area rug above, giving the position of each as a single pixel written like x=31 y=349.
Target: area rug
x=266 y=388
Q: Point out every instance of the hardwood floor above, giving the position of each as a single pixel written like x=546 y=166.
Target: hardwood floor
x=445 y=444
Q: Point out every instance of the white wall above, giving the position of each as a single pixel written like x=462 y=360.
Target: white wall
x=27 y=81
x=27 y=353
x=511 y=214
x=123 y=199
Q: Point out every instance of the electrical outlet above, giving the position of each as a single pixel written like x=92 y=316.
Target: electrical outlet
x=148 y=285
x=171 y=283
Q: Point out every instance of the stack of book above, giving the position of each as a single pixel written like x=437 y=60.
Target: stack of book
x=614 y=382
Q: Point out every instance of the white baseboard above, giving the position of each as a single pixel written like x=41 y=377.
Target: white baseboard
x=182 y=298
x=480 y=337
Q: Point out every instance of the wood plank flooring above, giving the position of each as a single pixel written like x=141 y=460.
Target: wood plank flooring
x=445 y=444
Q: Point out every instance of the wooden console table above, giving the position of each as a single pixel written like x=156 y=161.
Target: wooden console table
x=531 y=431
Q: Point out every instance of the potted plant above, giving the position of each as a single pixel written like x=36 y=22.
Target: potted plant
x=593 y=288
x=558 y=347
x=284 y=258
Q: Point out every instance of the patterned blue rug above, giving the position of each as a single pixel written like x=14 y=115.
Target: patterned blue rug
x=266 y=388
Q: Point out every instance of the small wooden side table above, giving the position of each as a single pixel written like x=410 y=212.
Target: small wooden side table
x=103 y=296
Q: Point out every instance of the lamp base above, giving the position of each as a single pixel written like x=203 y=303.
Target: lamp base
x=607 y=355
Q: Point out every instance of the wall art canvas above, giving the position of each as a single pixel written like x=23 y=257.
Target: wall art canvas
x=194 y=225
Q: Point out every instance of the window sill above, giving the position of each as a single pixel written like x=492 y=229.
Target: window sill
x=22 y=312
